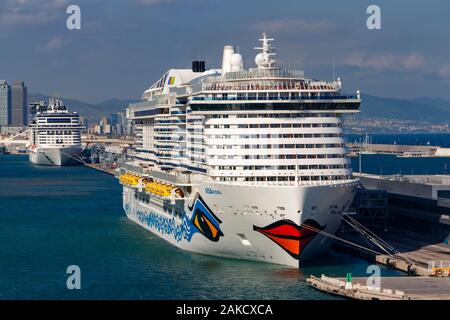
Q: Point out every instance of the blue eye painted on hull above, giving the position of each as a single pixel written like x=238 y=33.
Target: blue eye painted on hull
x=204 y=220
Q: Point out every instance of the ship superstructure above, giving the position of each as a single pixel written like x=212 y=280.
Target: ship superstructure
x=241 y=163
x=55 y=135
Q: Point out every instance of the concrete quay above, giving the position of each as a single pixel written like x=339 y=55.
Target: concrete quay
x=431 y=151
x=413 y=257
x=391 y=288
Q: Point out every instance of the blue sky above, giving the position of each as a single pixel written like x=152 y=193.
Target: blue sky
x=124 y=46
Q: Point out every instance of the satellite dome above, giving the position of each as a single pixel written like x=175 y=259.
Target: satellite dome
x=260 y=59
x=237 y=62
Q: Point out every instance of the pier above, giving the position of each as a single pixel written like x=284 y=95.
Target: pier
x=410 y=213
x=410 y=216
x=413 y=257
x=392 y=288
x=397 y=149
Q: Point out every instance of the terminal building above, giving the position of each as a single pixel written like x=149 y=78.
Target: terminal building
x=418 y=203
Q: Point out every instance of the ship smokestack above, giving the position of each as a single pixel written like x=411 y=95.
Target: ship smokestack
x=228 y=51
x=198 y=66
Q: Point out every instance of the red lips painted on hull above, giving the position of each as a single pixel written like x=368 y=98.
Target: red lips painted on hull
x=291 y=237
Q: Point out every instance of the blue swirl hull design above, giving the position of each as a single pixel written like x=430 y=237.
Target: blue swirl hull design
x=199 y=219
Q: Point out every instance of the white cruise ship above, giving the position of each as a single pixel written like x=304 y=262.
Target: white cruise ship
x=55 y=135
x=241 y=163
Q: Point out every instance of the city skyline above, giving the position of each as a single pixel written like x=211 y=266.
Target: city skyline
x=13 y=104
x=113 y=57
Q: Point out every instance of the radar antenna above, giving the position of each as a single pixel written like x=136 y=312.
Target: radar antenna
x=266 y=58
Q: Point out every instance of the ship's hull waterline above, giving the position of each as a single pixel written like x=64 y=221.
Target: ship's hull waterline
x=275 y=224
x=64 y=156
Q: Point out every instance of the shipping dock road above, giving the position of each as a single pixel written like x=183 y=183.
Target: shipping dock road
x=408 y=222
x=413 y=255
x=392 y=288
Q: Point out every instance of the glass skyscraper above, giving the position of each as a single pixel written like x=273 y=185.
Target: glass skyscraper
x=19 y=110
x=5 y=103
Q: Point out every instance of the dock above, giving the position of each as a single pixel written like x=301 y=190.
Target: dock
x=409 y=213
x=397 y=149
x=413 y=257
x=392 y=288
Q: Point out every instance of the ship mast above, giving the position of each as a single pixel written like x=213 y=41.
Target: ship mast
x=266 y=58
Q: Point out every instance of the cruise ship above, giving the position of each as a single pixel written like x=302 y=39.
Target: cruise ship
x=55 y=135
x=241 y=163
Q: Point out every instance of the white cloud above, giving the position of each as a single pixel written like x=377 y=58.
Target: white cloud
x=409 y=64
x=30 y=12
x=60 y=3
x=414 y=61
x=154 y=2
x=54 y=43
x=20 y=19
x=42 y=3
x=383 y=62
x=293 y=25
x=444 y=70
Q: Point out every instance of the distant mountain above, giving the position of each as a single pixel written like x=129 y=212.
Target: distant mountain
x=420 y=109
x=437 y=102
x=94 y=112
x=114 y=105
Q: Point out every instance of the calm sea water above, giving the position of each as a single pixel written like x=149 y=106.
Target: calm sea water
x=385 y=164
x=51 y=218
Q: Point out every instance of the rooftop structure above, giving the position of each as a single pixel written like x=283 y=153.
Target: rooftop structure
x=424 y=186
x=419 y=203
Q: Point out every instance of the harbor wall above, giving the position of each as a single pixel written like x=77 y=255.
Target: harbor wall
x=393 y=148
x=442 y=152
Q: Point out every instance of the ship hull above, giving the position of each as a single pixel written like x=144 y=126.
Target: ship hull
x=64 y=156
x=276 y=224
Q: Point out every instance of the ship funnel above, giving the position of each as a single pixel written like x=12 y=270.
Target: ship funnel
x=198 y=66
x=228 y=51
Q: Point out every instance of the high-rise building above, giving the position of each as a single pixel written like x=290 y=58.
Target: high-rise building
x=122 y=124
x=117 y=120
x=19 y=109
x=84 y=123
x=113 y=121
x=104 y=126
x=5 y=103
